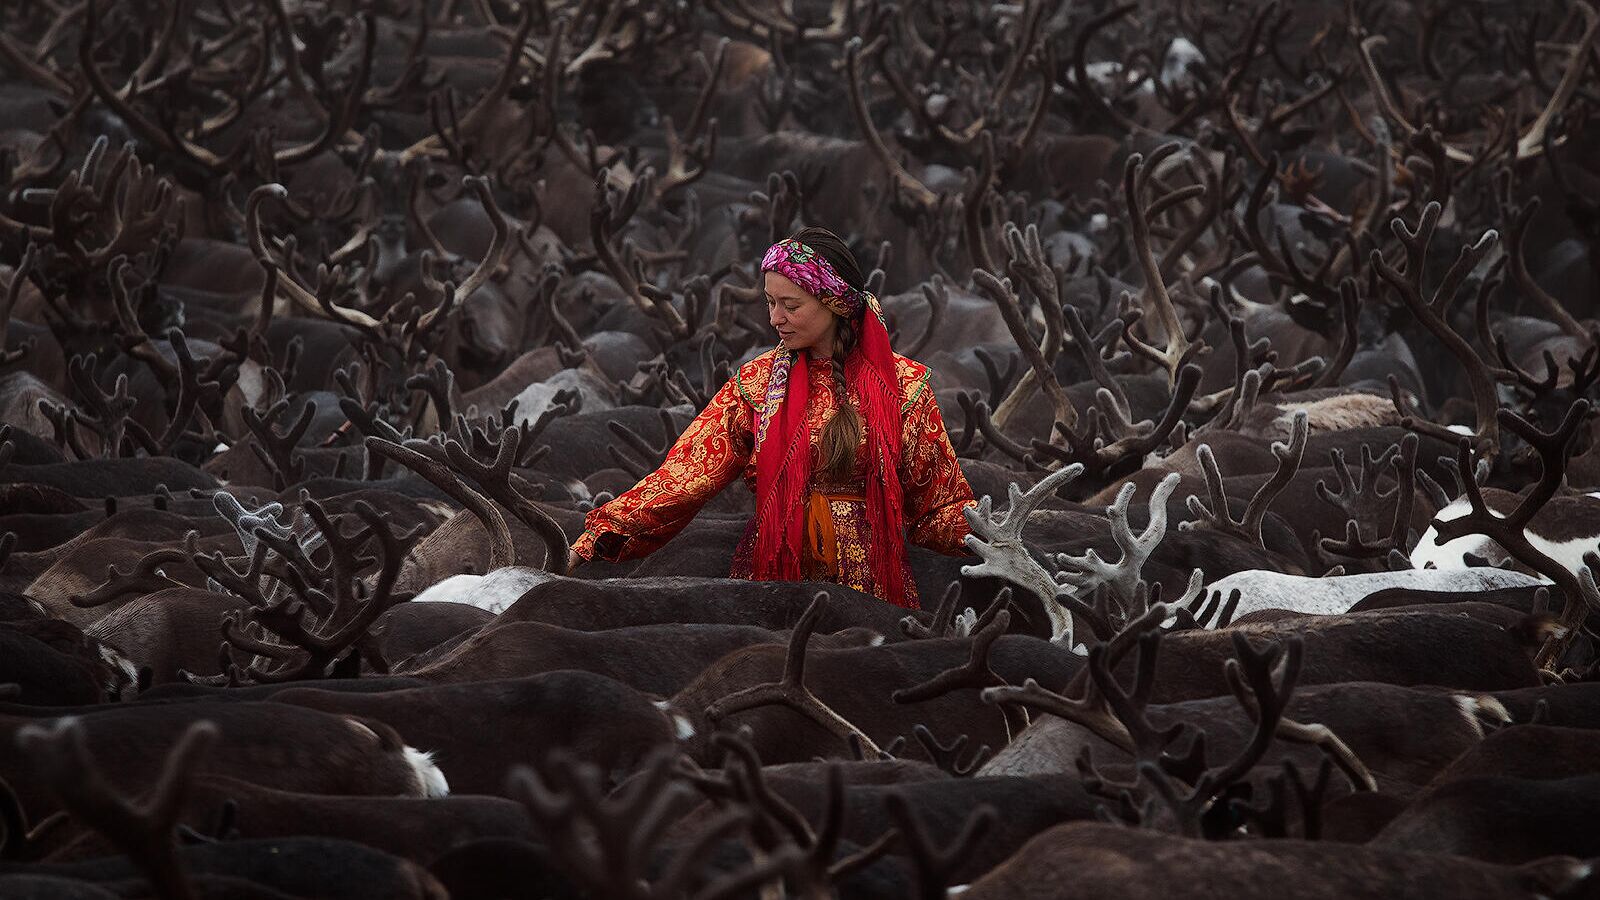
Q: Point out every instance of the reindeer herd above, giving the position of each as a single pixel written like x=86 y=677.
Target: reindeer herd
x=1266 y=331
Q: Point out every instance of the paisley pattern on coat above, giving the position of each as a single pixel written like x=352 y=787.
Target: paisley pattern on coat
x=718 y=446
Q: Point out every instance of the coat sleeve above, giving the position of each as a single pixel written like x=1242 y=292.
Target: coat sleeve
x=709 y=454
x=936 y=491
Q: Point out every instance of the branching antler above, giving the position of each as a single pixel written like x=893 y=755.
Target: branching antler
x=998 y=540
x=1516 y=218
x=1531 y=142
x=1089 y=708
x=1101 y=459
x=689 y=156
x=147 y=831
x=818 y=870
x=1089 y=571
x=309 y=301
x=1217 y=516
x=502 y=552
x=650 y=455
x=1137 y=174
x=935 y=865
x=496 y=479
x=975 y=673
x=909 y=194
x=1356 y=494
x=611 y=210
x=1269 y=697
x=144 y=578
x=1434 y=313
x=1510 y=530
x=276 y=448
x=1320 y=736
x=1028 y=264
x=1276 y=258
x=304 y=646
x=944 y=617
x=13 y=290
x=607 y=843
x=791 y=690
x=948 y=756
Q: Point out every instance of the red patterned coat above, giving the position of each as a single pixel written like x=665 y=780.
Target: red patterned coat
x=718 y=447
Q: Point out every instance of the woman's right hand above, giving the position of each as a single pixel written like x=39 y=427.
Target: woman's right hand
x=574 y=560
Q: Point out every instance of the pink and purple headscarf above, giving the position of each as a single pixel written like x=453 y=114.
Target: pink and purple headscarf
x=812 y=271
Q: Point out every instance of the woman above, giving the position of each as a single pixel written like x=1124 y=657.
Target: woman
x=829 y=476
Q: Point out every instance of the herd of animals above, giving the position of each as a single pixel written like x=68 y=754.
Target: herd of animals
x=1266 y=331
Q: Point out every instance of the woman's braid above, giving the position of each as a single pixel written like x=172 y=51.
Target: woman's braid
x=843 y=431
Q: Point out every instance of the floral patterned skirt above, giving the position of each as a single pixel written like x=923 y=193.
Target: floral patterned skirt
x=854 y=539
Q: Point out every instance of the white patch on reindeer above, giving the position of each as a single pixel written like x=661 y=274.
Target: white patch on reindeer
x=682 y=728
x=1334 y=414
x=1182 y=55
x=126 y=686
x=251 y=384
x=577 y=489
x=437 y=508
x=1261 y=589
x=1491 y=708
x=539 y=396
x=492 y=593
x=1452 y=554
x=1480 y=710
x=1107 y=74
x=430 y=780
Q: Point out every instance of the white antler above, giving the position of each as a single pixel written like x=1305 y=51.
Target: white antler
x=998 y=540
x=246 y=521
x=1089 y=571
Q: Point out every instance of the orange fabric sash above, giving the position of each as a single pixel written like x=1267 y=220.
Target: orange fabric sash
x=822 y=543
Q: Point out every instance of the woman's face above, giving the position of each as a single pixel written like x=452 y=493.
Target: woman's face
x=800 y=319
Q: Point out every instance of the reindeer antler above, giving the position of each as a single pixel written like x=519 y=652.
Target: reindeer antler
x=1531 y=142
x=19 y=276
x=935 y=865
x=1353 y=490
x=1247 y=527
x=1100 y=458
x=1269 y=698
x=1510 y=530
x=791 y=690
x=502 y=551
x=998 y=540
x=1089 y=571
x=1434 y=313
x=975 y=673
x=146 y=832
x=1137 y=174
x=606 y=843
